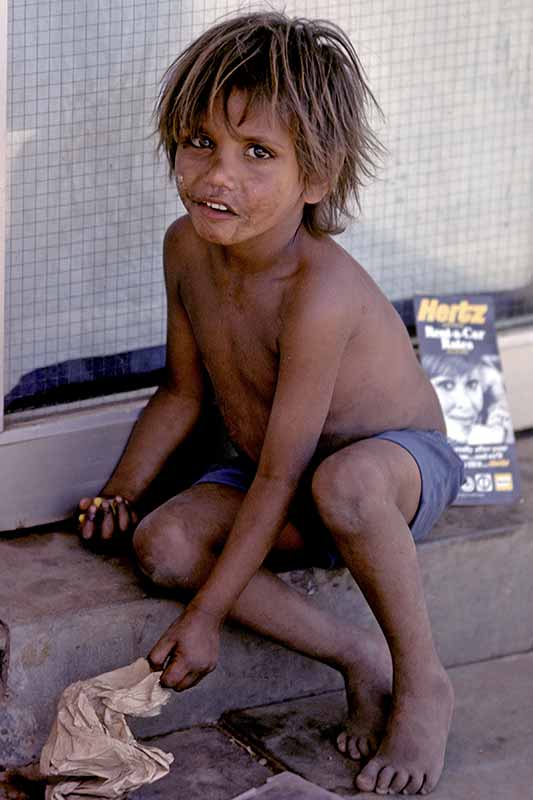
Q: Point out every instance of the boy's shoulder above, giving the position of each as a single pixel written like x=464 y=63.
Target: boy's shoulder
x=180 y=234
x=328 y=259
x=336 y=276
x=181 y=247
x=334 y=289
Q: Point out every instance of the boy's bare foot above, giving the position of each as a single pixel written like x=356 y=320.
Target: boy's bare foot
x=368 y=681
x=410 y=757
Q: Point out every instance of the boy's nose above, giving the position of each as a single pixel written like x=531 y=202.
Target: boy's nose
x=221 y=171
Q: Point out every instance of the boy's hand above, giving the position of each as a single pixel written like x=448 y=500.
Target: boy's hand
x=102 y=519
x=188 y=650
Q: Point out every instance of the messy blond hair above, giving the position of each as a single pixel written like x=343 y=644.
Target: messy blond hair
x=306 y=71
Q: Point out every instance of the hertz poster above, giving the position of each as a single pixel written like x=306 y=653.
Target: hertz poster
x=459 y=353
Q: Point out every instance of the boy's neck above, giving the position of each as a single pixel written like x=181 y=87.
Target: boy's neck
x=265 y=254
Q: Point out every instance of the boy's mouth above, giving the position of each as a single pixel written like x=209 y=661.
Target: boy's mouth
x=220 y=208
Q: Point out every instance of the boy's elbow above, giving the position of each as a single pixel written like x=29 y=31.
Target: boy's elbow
x=182 y=398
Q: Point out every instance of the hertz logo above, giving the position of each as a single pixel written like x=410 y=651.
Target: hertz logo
x=464 y=313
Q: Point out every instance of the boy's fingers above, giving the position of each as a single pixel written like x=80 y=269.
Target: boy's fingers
x=160 y=652
x=189 y=681
x=122 y=514
x=102 y=517
x=108 y=521
x=176 y=676
x=87 y=520
x=86 y=527
x=90 y=504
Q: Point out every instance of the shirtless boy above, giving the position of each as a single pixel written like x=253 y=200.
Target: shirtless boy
x=264 y=122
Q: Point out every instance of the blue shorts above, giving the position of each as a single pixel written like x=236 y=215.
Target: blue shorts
x=441 y=472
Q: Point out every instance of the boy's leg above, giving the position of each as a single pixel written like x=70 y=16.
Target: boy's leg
x=176 y=546
x=366 y=494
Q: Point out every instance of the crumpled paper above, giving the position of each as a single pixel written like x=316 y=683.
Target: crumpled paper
x=90 y=737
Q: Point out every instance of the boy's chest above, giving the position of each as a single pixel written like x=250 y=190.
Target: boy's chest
x=236 y=331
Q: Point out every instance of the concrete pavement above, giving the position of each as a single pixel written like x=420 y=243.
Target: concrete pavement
x=489 y=754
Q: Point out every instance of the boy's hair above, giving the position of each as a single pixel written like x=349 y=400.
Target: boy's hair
x=307 y=72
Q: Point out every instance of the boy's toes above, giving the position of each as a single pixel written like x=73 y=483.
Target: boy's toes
x=429 y=783
x=399 y=782
x=342 y=741
x=367 y=778
x=354 y=750
x=384 y=780
x=367 y=746
x=415 y=784
x=348 y=746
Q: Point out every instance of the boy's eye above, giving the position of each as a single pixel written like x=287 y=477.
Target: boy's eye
x=201 y=141
x=259 y=152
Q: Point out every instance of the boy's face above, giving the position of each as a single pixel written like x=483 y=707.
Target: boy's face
x=240 y=183
x=461 y=396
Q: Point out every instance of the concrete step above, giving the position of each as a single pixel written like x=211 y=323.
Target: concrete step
x=67 y=614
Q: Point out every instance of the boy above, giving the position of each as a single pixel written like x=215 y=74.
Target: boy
x=338 y=431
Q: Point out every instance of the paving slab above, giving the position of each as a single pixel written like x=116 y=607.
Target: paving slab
x=288 y=786
x=489 y=750
x=208 y=765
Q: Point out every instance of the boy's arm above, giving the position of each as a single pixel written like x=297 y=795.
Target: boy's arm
x=311 y=349
x=171 y=412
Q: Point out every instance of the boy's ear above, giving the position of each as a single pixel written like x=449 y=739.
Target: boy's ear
x=315 y=190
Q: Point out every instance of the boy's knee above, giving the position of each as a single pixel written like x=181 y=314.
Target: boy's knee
x=163 y=552
x=349 y=493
